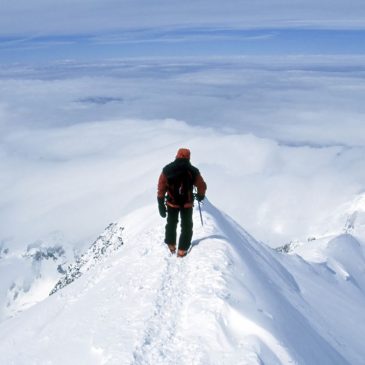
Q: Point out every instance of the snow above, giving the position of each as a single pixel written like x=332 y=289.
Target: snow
x=232 y=300
x=27 y=277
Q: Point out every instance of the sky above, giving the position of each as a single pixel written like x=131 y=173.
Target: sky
x=39 y=31
x=277 y=85
x=20 y=17
x=203 y=42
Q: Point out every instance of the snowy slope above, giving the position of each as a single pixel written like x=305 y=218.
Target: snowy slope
x=28 y=276
x=232 y=300
x=348 y=220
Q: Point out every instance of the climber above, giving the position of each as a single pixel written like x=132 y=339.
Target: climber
x=178 y=180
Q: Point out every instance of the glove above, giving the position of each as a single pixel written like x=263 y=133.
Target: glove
x=162 y=207
x=199 y=198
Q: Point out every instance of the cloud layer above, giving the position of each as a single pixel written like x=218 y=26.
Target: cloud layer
x=293 y=100
x=280 y=141
x=77 y=179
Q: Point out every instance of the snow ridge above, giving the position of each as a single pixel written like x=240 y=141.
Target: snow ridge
x=231 y=300
x=109 y=241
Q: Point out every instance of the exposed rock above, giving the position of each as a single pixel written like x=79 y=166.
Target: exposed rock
x=109 y=241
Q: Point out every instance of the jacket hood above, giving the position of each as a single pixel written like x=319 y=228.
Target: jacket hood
x=183 y=153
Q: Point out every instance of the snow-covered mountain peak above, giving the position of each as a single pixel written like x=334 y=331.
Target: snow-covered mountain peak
x=110 y=240
x=232 y=300
x=350 y=217
x=28 y=276
x=355 y=212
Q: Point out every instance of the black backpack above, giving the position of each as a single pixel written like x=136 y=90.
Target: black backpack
x=180 y=186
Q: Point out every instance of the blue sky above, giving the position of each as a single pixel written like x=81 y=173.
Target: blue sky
x=40 y=30
x=182 y=42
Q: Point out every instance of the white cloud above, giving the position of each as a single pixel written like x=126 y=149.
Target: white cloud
x=75 y=166
x=316 y=101
x=179 y=35
x=77 y=179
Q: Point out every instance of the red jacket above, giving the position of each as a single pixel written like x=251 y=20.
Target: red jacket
x=170 y=169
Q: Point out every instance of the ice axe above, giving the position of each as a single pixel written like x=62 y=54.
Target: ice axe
x=200 y=210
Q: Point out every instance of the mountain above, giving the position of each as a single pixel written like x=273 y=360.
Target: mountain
x=348 y=218
x=106 y=243
x=232 y=300
x=28 y=276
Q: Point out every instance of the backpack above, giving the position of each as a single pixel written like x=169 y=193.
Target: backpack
x=180 y=186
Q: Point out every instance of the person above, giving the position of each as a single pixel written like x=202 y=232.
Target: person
x=178 y=179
